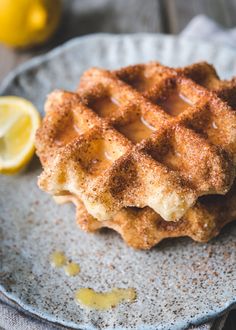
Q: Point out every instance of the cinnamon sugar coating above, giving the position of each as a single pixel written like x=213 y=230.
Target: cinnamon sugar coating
x=143 y=228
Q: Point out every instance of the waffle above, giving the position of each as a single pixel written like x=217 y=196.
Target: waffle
x=143 y=228
x=120 y=143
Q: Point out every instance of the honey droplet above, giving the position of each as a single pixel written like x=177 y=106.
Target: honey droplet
x=104 y=300
x=176 y=103
x=137 y=130
x=72 y=269
x=58 y=259
x=105 y=107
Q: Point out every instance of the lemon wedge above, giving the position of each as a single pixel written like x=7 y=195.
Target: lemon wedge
x=19 y=121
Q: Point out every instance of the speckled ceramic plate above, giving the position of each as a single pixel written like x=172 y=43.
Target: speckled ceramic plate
x=178 y=283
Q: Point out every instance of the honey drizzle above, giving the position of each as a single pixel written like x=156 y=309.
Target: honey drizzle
x=105 y=106
x=72 y=269
x=176 y=103
x=102 y=160
x=58 y=260
x=104 y=300
x=137 y=130
x=88 y=297
x=68 y=134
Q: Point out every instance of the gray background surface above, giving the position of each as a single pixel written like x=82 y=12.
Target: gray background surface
x=125 y=16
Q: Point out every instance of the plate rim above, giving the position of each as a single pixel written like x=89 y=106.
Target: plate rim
x=37 y=60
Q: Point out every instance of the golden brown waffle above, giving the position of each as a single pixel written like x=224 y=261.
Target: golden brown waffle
x=126 y=145
x=143 y=228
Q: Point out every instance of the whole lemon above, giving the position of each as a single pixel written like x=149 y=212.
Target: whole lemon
x=25 y=23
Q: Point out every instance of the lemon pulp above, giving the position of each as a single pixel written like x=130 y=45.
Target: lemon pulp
x=19 y=121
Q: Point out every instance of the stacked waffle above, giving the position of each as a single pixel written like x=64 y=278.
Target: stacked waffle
x=147 y=150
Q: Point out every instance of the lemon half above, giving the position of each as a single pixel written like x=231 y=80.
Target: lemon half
x=19 y=120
